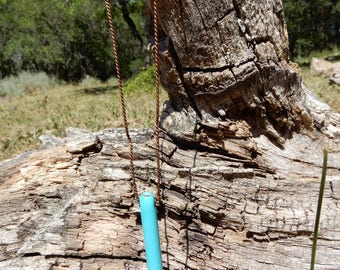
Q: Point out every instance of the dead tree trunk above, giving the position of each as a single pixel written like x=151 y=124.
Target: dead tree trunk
x=227 y=71
x=241 y=162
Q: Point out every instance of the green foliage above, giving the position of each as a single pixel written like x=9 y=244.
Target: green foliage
x=144 y=80
x=66 y=38
x=70 y=39
x=312 y=25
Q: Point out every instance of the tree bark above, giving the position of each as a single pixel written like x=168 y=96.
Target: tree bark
x=122 y=4
x=241 y=152
x=225 y=66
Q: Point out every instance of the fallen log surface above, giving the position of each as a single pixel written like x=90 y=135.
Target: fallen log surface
x=241 y=148
x=72 y=206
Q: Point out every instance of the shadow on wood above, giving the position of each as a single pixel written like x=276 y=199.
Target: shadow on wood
x=242 y=143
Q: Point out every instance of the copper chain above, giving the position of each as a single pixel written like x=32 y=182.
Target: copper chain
x=122 y=100
x=120 y=86
x=156 y=57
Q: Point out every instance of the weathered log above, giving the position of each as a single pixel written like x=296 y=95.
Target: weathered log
x=226 y=67
x=72 y=207
x=241 y=151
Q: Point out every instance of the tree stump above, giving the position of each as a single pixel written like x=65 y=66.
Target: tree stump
x=241 y=149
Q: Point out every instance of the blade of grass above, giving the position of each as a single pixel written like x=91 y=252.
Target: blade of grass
x=318 y=211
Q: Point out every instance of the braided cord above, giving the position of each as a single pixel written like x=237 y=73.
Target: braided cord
x=157 y=86
x=122 y=100
x=156 y=57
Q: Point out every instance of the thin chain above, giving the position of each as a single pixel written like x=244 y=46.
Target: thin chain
x=157 y=86
x=120 y=85
x=156 y=57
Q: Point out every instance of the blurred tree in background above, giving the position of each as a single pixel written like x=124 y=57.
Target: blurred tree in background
x=312 y=25
x=69 y=38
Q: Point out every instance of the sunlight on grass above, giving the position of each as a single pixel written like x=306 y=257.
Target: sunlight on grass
x=25 y=83
x=321 y=87
x=48 y=108
x=90 y=105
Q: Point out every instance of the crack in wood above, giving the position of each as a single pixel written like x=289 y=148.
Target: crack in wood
x=94 y=256
x=214 y=197
x=277 y=235
x=180 y=72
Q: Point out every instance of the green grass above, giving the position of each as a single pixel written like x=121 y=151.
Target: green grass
x=34 y=104
x=321 y=87
x=90 y=105
x=318 y=84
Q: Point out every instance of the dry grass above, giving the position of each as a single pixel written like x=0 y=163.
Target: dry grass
x=91 y=105
x=321 y=87
x=318 y=84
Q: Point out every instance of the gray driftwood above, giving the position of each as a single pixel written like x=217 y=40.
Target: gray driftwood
x=242 y=142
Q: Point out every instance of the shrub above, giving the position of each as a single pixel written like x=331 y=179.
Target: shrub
x=26 y=83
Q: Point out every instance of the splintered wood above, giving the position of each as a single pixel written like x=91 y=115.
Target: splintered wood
x=62 y=210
